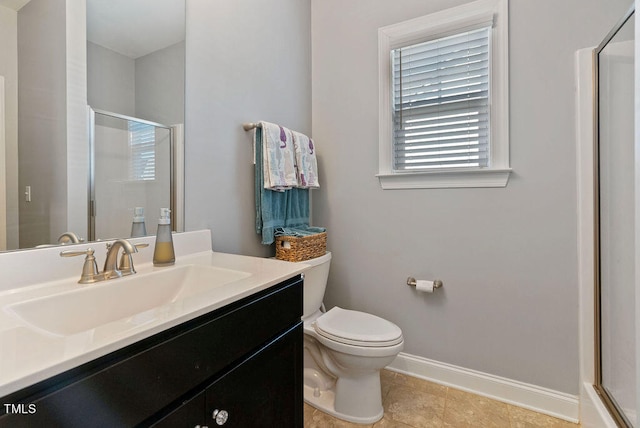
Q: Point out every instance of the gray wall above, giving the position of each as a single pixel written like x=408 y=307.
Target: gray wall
x=160 y=85
x=9 y=69
x=246 y=61
x=150 y=87
x=110 y=80
x=509 y=306
x=42 y=113
x=507 y=257
x=52 y=129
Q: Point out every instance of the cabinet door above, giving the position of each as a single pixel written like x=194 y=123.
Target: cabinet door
x=265 y=390
x=189 y=415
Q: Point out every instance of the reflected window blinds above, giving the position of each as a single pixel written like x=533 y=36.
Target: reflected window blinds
x=142 y=145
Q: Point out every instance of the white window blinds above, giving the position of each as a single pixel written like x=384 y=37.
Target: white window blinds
x=142 y=145
x=441 y=103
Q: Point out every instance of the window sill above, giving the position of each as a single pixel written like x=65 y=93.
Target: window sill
x=445 y=179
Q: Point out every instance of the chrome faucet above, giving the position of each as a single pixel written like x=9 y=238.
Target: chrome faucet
x=90 y=273
x=69 y=238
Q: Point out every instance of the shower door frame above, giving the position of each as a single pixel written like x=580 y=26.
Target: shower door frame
x=172 y=168
x=607 y=400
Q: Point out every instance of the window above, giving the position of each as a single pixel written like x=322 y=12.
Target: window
x=441 y=103
x=142 y=146
x=444 y=99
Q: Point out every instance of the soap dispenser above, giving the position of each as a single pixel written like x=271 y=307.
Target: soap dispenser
x=138 y=227
x=163 y=255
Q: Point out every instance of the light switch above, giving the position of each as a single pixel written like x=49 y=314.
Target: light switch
x=27 y=193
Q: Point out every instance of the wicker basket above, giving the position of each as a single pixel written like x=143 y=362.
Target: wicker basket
x=294 y=249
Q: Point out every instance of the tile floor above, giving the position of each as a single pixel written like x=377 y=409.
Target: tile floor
x=415 y=403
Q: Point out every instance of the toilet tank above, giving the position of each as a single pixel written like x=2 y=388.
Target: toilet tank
x=315 y=283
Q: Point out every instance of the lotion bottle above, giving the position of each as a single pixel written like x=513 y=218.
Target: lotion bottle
x=163 y=254
x=138 y=227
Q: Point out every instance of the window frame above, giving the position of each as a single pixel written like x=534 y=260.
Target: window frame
x=437 y=25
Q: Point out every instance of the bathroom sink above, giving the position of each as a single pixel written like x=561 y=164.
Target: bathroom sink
x=123 y=300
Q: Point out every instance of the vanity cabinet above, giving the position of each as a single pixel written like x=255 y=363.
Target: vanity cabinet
x=243 y=360
x=258 y=392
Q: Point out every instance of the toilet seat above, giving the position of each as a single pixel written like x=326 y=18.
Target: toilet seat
x=357 y=328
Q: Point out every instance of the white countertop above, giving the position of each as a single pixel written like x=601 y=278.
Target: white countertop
x=28 y=355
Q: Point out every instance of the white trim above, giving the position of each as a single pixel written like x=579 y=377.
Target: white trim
x=536 y=398
x=593 y=414
x=178 y=175
x=436 y=25
x=77 y=168
x=446 y=179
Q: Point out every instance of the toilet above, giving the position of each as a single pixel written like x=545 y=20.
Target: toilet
x=344 y=351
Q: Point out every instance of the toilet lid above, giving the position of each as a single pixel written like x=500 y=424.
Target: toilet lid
x=357 y=328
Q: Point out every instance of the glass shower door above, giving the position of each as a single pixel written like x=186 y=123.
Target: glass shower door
x=131 y=167
x=615 y=223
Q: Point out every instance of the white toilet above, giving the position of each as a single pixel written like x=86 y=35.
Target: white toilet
x=344 y=352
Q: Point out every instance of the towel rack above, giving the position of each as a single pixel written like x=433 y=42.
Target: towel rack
x=250 y=125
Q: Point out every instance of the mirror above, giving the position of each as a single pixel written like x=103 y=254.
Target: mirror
x=129 y=62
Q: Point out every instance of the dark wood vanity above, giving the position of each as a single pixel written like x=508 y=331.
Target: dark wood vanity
x=237 y=366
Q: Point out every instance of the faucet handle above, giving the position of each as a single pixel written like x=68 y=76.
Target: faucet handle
x=90 y=271
x=126 y=261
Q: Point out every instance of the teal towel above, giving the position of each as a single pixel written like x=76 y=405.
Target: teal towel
x=276 y=209
x=299 y=231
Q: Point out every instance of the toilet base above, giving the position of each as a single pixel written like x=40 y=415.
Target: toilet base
x=325 y=402
x=322 y=396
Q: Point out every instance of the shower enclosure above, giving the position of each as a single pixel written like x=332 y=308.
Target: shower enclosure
x=132 y=163
x=614 y=187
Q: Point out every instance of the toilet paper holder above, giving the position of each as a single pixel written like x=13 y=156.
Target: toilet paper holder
x=411 y=281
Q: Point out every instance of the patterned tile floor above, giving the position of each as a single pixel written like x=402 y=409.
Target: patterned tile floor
x=415 y=403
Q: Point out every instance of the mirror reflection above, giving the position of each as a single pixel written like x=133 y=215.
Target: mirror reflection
x=130 y=175
x=135 y=85
x=129 y=62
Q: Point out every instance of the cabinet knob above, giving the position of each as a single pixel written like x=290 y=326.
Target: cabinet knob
x=220 y=416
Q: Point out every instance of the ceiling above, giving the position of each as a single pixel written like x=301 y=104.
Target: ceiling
x=135 y=27
x=13 y=4
x=130 y=27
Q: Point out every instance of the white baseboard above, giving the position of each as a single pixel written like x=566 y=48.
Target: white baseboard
x=536 y=398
